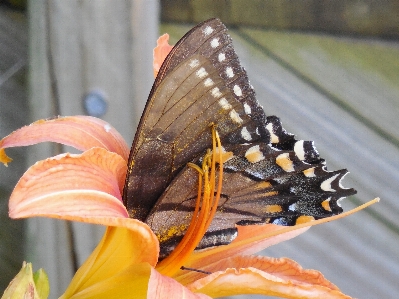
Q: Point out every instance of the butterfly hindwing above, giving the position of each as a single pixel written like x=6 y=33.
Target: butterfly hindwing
x=260 y=185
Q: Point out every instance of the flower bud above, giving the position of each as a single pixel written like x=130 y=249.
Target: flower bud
x=28 y=285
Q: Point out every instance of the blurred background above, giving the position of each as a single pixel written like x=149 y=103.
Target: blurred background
x=328 y=68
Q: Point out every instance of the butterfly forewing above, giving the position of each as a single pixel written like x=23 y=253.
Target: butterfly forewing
x=189 y=94
x=270 y=178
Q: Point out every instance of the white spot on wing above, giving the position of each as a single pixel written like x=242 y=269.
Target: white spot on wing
x=229 y=72
x=194 y=63
x=237 y=90
x=221 y=57
x=284 y=161
x=299 y=150
x=224 y=104
x=216 y=92
x=235 y=117
x=247 y=109
x=208 y=82
x=326 y=185
x=254 y=155
x=215 y=43
x=273 y=137
x=309 y=172
x=226 y=156
x=326 y=204
x=245 y=134
x=208 y=30
x=201 y=73
x=292 y=207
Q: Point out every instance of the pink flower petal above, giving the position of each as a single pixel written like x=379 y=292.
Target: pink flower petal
x=244 y=244
x=81 y=132
x=253 y=281
x=160 y=52
x=247 y=232
x=69 y=186
x=161 y=286
x=282 y=268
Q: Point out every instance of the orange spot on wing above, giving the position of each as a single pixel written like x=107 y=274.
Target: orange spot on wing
x=264 y=184
x=254 y=157
x=309 y=172
x=273 y=208
x=326 y=205
x=304 y=219
x=285 y=163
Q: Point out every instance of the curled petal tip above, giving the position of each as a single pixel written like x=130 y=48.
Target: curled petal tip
x=4 y=158
x=160 y=52
x=68 y=185
x=81 y=132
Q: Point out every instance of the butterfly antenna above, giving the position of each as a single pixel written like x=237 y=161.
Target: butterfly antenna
x=195 y=270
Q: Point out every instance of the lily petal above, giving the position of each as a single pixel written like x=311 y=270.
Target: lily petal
x=160 y=52
x=124 y=285
x=81 y=132
x=247 y=232
x=288 y=282
x=243 y=244
x=282 y=268
x=124 y=257
x=68 y=186
x=161 y=286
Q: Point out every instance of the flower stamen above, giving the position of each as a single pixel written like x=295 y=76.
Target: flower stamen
x=205 y=208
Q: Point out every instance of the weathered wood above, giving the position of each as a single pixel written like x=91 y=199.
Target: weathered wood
x=13 y=111
x=78 y=47
x=366 y=17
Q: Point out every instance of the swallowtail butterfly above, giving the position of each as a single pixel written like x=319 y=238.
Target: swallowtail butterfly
x=270 y=178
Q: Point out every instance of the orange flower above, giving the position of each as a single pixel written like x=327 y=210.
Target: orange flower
x=87 y=187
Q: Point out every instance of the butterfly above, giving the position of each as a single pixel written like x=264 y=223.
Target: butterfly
x=270 y=177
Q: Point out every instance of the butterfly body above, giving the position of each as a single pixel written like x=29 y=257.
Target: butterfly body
x=270 y=177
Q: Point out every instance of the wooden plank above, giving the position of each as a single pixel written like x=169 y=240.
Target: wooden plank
x=48 y=238
x=371 y=67
x=367 y=17
x=79 y=47
x=13 y=107
x=350 y=251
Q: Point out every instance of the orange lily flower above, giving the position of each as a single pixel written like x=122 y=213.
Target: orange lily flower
x=87 y=187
